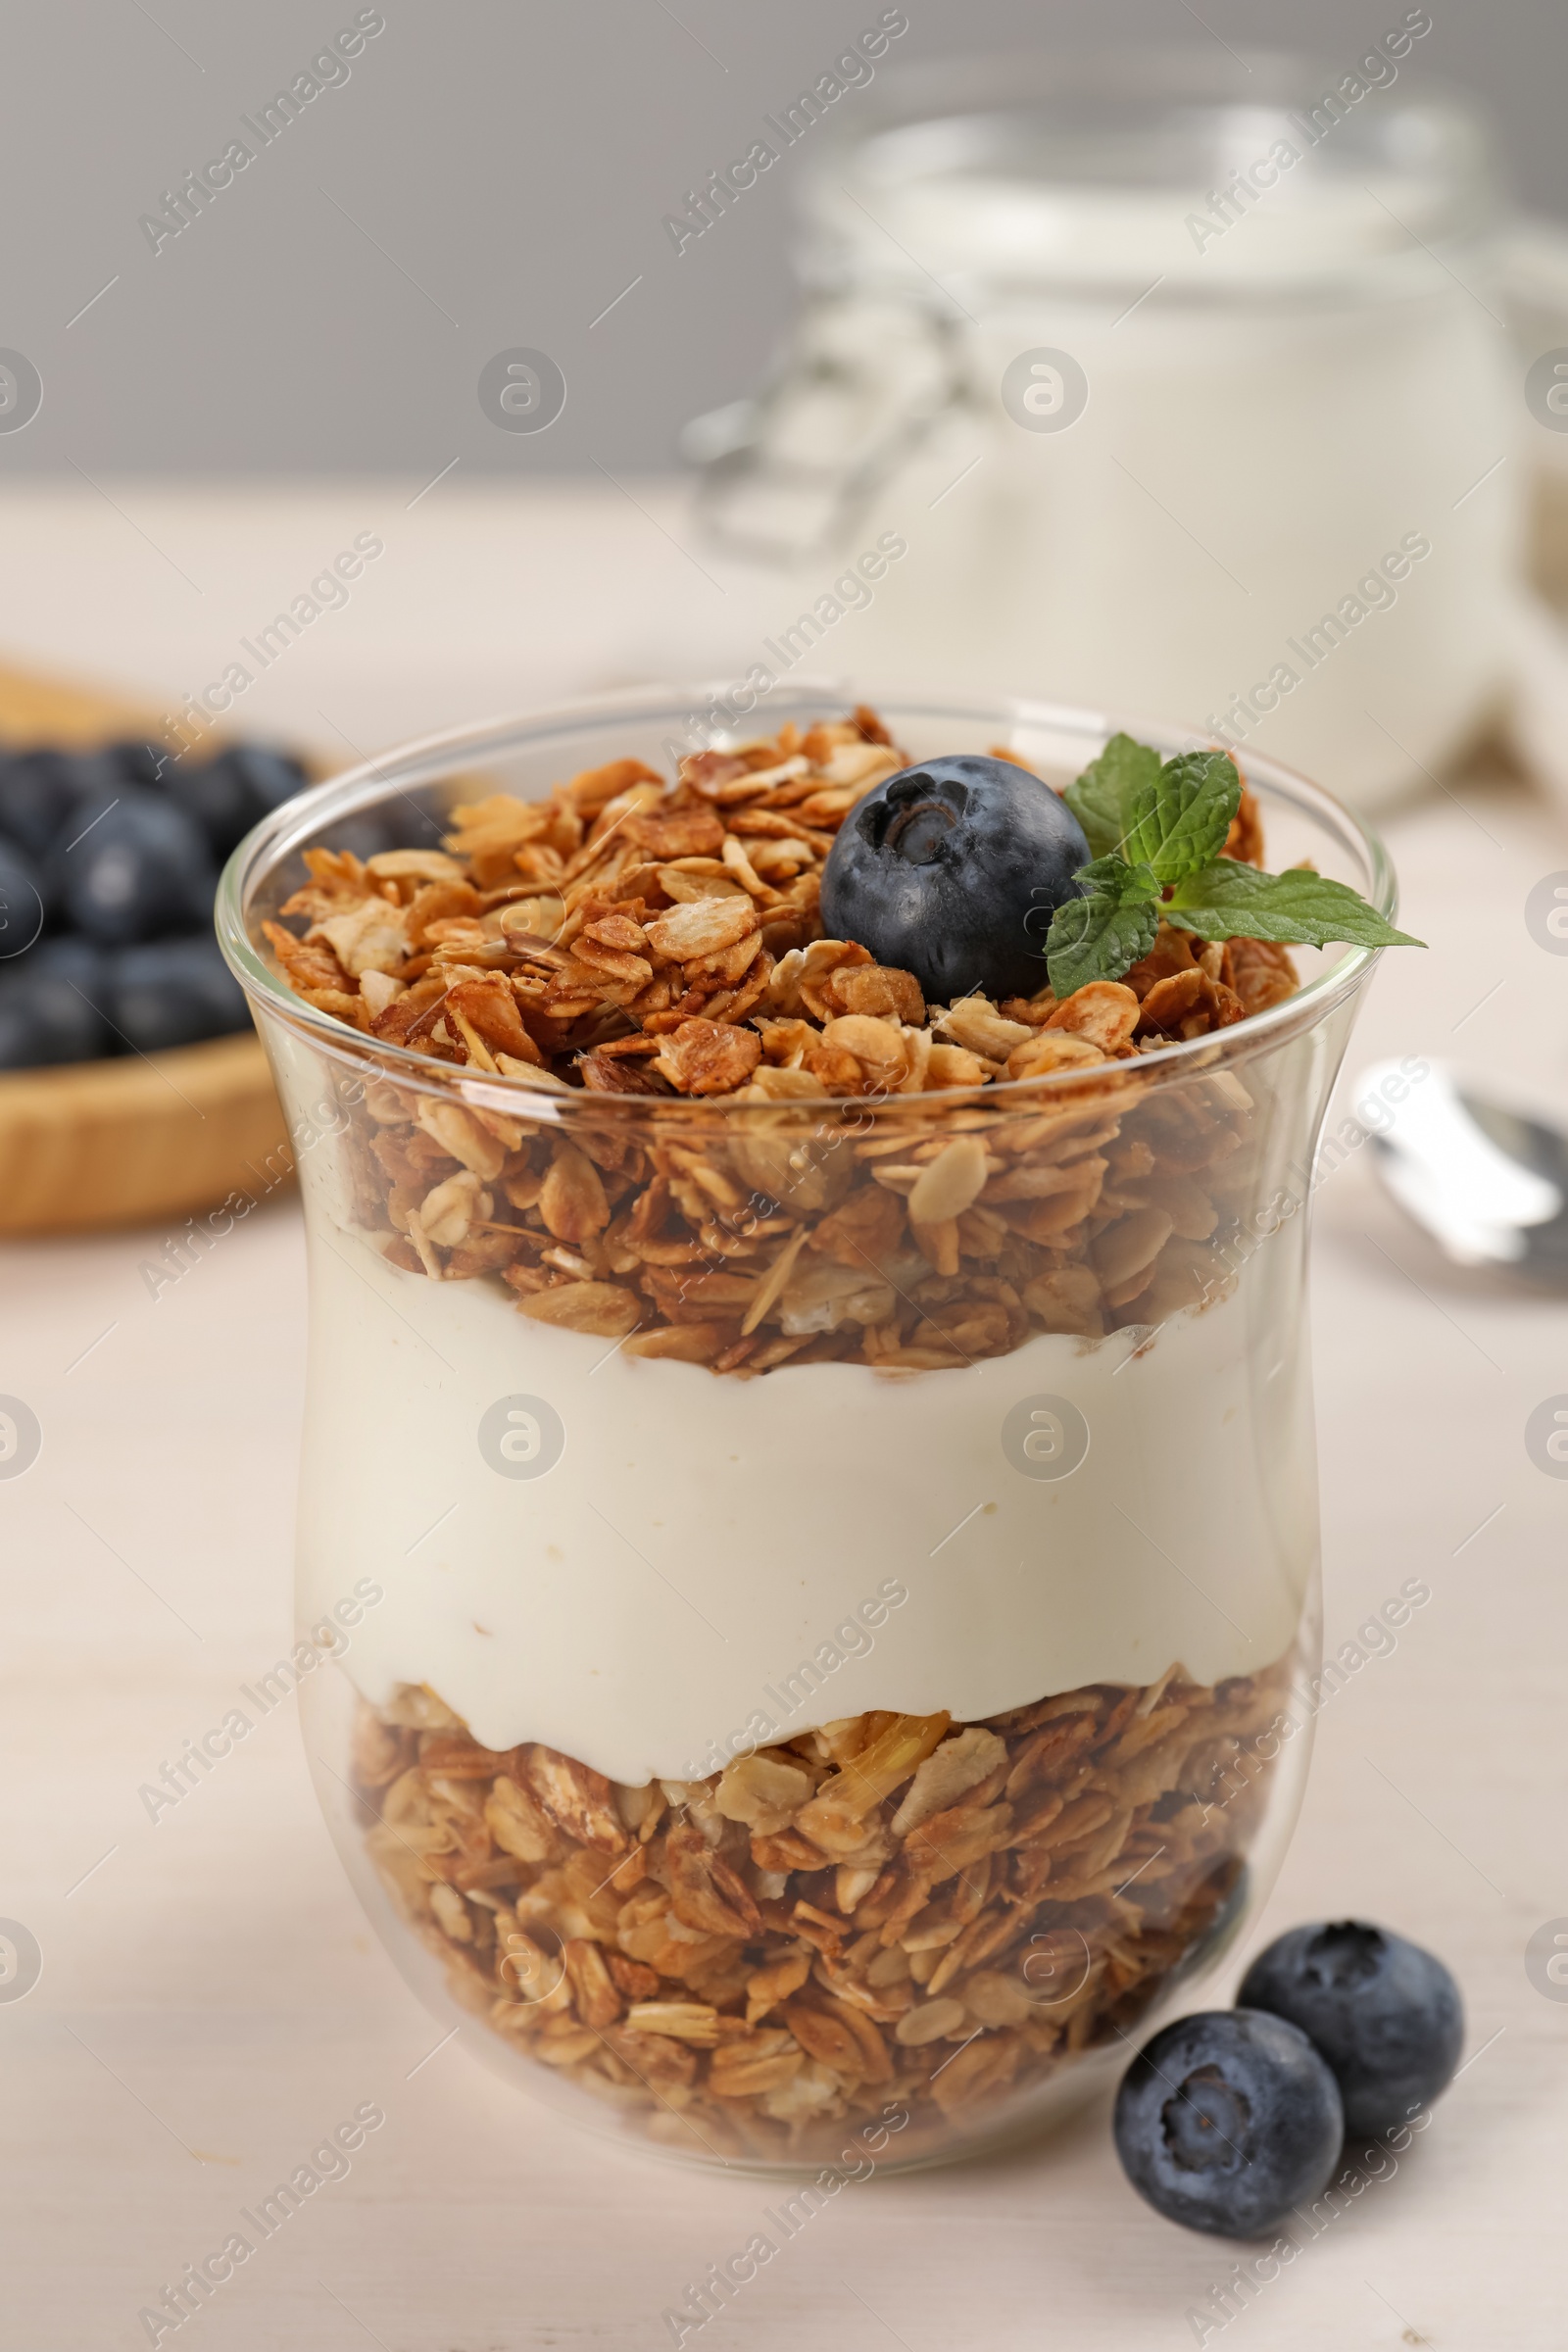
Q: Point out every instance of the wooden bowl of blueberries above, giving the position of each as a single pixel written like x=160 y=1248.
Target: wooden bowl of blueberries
x=132 y=1085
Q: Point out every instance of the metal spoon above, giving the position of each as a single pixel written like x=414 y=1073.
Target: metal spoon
x=1489 y=1185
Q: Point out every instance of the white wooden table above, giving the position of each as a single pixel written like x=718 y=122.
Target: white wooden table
x=212 y=2005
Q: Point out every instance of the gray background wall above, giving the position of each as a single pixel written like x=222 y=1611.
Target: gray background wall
x=493 y=175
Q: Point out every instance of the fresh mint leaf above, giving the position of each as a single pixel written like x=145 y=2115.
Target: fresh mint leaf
x=1103 y=796
x=1101 y=935
x=1179 y=819
x=1298 y=908
x=1163 y=827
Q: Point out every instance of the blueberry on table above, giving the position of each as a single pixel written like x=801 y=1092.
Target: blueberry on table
x=134 y=865
x=1226 y=2120
x=173 y=992
x=21 y=900
x=51 y=1007
x=951 y=870
x=1386 y=2015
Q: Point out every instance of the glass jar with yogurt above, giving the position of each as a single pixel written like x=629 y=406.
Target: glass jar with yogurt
x=818 y=1748
x=1184 y=383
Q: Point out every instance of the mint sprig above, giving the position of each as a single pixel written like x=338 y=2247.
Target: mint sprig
x=1104 y=933
x=1157 y=826
x=1298 y=908
x=1180 y=820
x=1104 y=793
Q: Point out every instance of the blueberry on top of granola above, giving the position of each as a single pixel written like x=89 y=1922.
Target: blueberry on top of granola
x=710 y=938
x=953 y=870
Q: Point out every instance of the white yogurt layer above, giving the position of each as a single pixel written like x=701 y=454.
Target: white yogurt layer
x=714 y=1562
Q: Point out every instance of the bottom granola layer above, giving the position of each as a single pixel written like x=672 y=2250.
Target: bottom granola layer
x=892 y=1909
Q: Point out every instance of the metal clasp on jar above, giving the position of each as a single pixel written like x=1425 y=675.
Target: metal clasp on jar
x=786 y=474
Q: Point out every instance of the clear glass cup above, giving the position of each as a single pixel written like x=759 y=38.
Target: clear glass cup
x=802 y=1689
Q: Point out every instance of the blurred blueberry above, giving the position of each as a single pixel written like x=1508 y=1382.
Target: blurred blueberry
x=173 y=992
x=217 y=799
x=397 y=823
x=267 y=776
x=367 y=836
x=235 y=790
x=50 y=1001
x=141 y=762
x=22 y=899
x=408 y=827
x=40 y=793
x=135 y=866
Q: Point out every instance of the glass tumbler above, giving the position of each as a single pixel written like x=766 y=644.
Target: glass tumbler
x=800 y=1690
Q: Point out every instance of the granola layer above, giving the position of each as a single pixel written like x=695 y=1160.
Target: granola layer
x=633 y=937
x=919 y=1239
x=810 y=1166
x=889 y=1908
